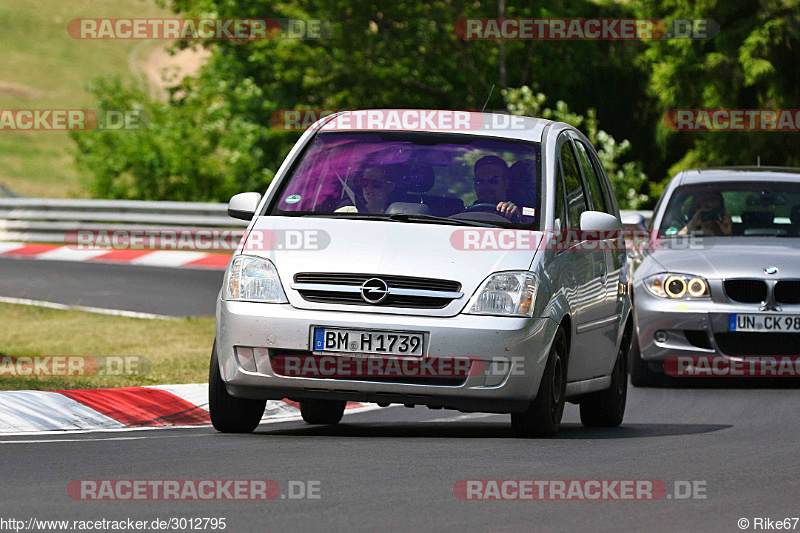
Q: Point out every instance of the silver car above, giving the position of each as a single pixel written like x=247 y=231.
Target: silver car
x=476 y=268
x=720 y=279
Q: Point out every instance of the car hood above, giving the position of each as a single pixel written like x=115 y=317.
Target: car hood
x=725 y=257
x=380 y=248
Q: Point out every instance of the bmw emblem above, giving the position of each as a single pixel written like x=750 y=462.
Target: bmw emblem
x=771 y=270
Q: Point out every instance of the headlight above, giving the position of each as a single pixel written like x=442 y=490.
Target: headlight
x=253 y=279
x=677 y=286
x=507 y=293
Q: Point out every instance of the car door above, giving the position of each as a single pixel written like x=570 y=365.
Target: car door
x=587 y=265
x=606 y=321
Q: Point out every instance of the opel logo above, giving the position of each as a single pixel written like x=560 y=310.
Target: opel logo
x=374 y=291
x=771 y=270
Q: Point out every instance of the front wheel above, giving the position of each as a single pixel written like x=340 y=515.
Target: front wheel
x=322 y=411
x=607 y=408
x=228 y=413
x=543 y=417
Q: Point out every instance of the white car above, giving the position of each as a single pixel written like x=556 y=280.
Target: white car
x=428 y=263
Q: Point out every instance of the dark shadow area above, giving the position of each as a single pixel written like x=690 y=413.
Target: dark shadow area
x=489 y=430
x=731 y=383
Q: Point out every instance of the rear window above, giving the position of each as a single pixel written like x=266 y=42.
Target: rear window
x=426 y=173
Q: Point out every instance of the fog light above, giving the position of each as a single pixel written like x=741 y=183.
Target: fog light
x=245 y=358
x=660 y=336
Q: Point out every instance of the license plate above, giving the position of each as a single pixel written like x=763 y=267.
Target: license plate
x=367 y=341
x=764 y=322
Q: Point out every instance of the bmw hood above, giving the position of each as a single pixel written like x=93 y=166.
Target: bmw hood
x=727 y=257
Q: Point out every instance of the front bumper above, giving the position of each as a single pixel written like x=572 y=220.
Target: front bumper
x=513 y=351
x=701 y=327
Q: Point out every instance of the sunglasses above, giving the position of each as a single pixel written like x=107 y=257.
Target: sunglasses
x=493 y=180
x=372 y=182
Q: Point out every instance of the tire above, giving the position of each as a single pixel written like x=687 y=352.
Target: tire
x=607 y=408
x=228 y=413
x=543 y=416
x=641 y=375
x=322 y=411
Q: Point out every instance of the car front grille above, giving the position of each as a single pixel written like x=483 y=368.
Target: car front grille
x=345 y=288
x=753 y=343
x=787 y=292
x=750 y=291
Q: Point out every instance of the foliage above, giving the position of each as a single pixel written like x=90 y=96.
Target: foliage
x=627 y=178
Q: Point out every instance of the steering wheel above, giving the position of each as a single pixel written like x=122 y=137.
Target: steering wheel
x=482 y=207
x=486 y=207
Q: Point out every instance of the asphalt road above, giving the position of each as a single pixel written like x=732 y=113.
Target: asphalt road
x=395 y=468
x=163 y=291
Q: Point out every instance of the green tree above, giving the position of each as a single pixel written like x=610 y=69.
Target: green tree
x=750 y=64
x=627 y=178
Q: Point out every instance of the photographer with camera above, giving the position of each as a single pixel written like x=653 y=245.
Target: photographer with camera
x=710 y=216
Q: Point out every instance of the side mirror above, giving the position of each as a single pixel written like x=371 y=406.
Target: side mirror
x=243 y=205
x=597 y=221
x=633 y=220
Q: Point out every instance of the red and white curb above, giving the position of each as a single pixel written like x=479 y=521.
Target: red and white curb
x=35 y=412
x=159 y=258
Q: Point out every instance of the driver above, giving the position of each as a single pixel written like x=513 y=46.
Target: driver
x=710 y=216
x=491 y=185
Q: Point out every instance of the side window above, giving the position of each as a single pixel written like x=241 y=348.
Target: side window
x=592 y=179
x=576 y=199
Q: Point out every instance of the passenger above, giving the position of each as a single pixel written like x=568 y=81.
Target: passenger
x=376 y=189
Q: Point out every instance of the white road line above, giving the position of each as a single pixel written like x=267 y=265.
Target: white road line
x=97 y=310
x=42 y=441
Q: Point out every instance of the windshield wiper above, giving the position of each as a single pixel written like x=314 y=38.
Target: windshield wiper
x=403 y=217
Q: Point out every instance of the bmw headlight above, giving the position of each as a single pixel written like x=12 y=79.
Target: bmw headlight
x=506 y=293
x=253 y=279
x=677 y=286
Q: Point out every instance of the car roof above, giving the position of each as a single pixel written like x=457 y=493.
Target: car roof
x=739 y=173
x=502 y=125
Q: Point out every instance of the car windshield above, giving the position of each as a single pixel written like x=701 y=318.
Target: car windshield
x=734 y=209
x=416 y=175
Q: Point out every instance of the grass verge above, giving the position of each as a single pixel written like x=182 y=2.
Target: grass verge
x=45 y=68
x=177 y=351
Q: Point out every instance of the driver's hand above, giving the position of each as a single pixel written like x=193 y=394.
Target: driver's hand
x=508 y=210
